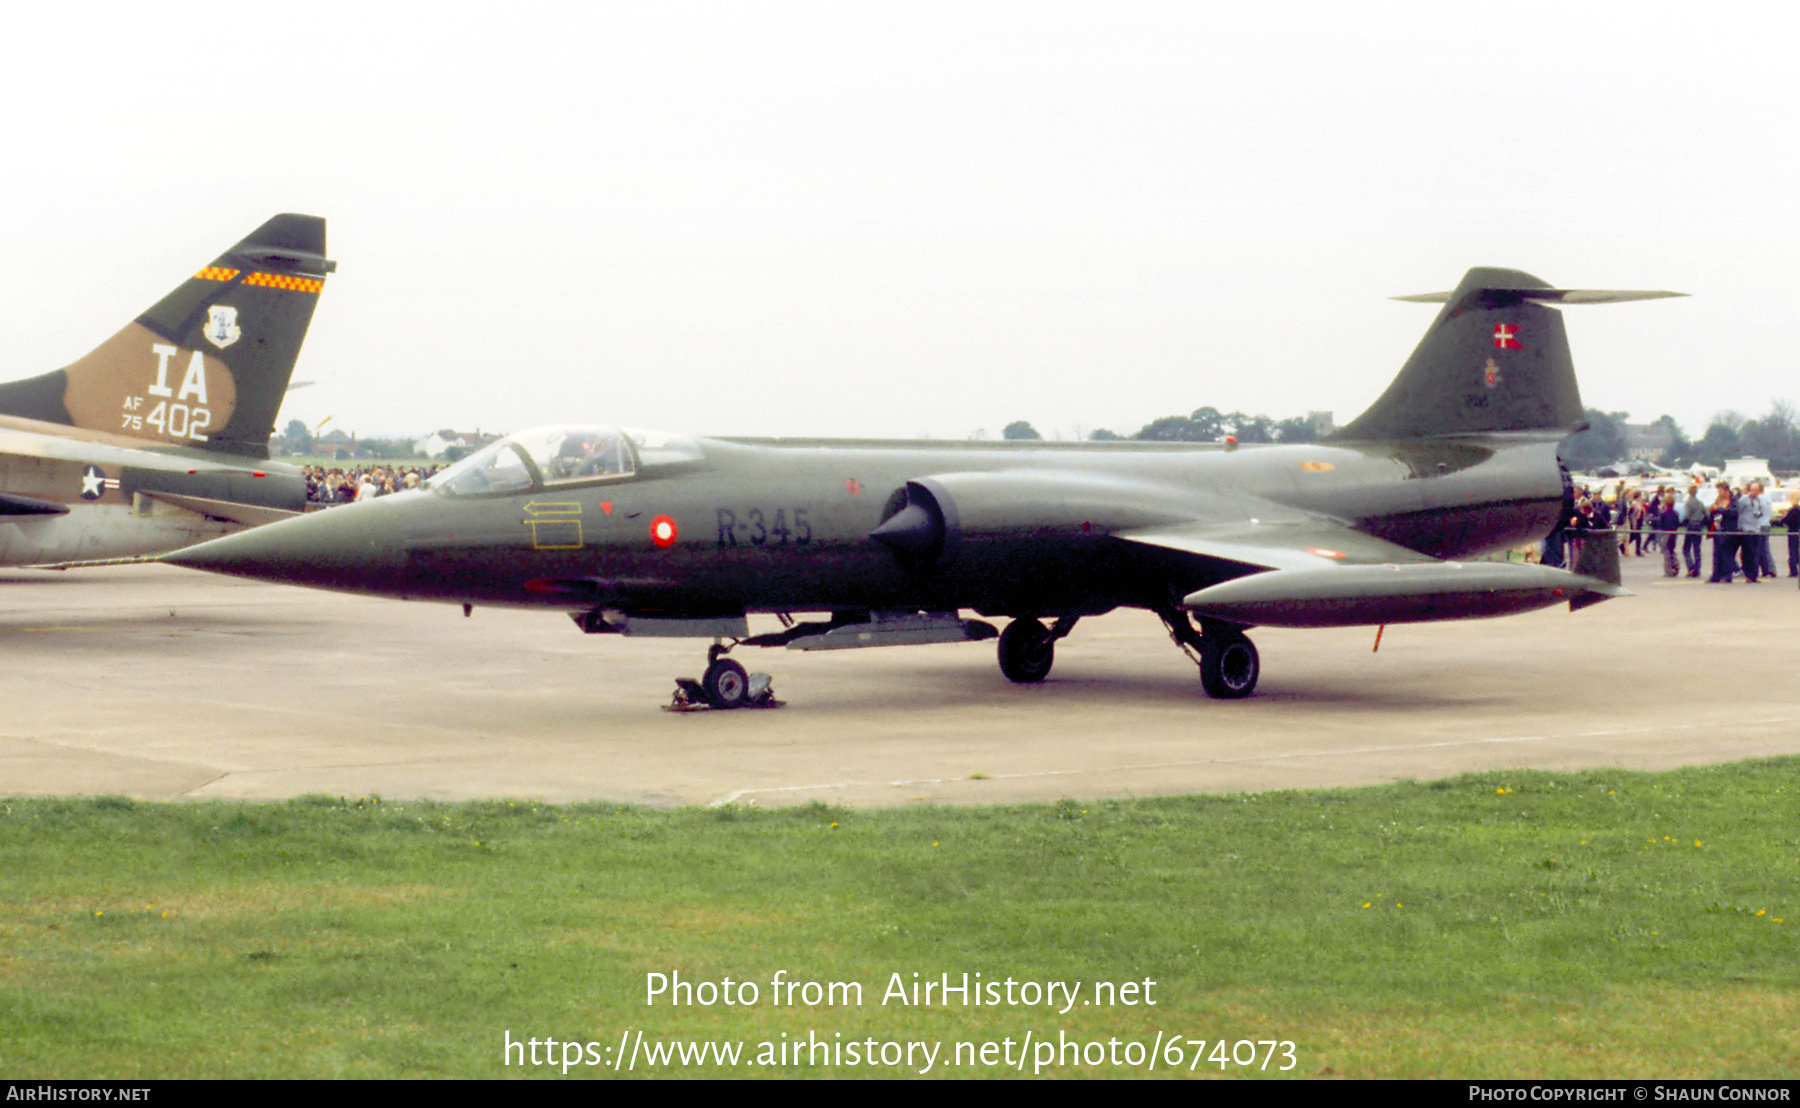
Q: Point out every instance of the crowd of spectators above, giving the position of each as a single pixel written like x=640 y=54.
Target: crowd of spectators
x=325 y=487
x=1739 y=521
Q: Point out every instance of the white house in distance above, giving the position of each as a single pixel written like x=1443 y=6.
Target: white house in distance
x=1645 y=442
x=436 y=444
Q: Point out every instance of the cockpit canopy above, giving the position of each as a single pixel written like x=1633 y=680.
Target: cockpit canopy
x=551 y=456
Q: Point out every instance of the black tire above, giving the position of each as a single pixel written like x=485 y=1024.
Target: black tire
x=726 y=685
x=1229 y=666
x=1026 y=652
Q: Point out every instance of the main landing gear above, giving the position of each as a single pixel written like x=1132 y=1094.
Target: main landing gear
x=1229 y=665
x=1028 y=648
x=724 y=685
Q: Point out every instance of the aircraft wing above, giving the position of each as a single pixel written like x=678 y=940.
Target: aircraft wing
x=1297 y=545
x=1322 y=573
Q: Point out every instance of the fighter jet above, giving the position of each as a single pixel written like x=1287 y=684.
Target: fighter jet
x=644 y=533
x=160 y=436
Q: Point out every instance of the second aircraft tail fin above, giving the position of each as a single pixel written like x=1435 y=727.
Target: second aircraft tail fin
x=207 y=366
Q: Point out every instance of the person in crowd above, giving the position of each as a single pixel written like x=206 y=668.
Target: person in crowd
x=1666 y=522
x=1724 y=528
x=1753 y=520
x=1694 y=517
x=1791 y=520
x=1633 y=517
x=1551 y=551
x=1765 y=555
x=1581 y=526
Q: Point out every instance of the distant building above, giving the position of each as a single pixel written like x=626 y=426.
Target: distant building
x=285 y=443
x=436 y=445
x=1321 y=423
x=335 y=444
x=1645 y=442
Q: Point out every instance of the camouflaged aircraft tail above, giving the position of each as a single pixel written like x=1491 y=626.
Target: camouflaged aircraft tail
x=1495 y=359
x=207 y=367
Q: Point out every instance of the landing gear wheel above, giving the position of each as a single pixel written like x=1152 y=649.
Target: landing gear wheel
x=1027 y=651
x=726 y=685
x=1229 y=666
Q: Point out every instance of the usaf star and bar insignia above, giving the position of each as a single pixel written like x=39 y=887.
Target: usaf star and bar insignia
x=95 y=483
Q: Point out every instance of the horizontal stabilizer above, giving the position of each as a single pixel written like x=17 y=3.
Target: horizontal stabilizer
x=1551 y=296
x=1351 y=596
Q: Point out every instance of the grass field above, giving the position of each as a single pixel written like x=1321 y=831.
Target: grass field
x=1510 y=924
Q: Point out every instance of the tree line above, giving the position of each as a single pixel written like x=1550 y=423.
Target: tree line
x=1775 y=436
x=1204 y=425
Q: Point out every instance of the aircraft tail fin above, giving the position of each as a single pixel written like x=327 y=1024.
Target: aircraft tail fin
x=1495 y=359
x=208 y=365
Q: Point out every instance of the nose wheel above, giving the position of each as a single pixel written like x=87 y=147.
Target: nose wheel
x=725 y=684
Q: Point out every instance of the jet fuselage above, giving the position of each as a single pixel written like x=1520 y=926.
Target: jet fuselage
x=734 y=526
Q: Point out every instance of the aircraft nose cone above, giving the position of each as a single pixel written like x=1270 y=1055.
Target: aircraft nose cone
x=356 y=547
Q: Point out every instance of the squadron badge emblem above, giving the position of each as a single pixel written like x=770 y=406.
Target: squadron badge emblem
x=222 y=326
x=1490 y=376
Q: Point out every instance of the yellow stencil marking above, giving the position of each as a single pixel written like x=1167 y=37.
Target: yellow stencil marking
x=555 y=524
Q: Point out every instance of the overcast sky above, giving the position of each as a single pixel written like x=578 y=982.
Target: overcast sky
x=911 y=218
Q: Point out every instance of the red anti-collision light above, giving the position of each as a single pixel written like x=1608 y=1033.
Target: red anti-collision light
x=662 y=532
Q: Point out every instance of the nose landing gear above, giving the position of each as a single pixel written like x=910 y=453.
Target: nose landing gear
x=725 y=684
